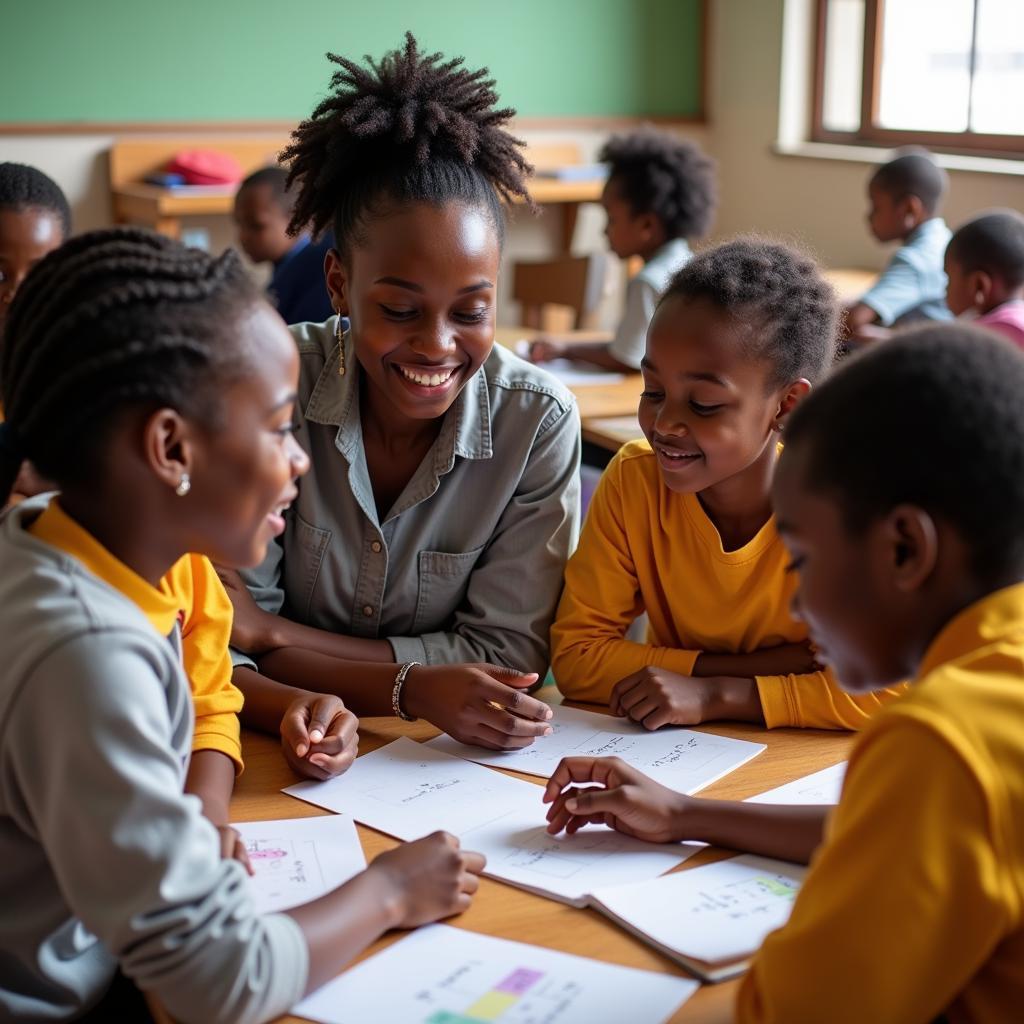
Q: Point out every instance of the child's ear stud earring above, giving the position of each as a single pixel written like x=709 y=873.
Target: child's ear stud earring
x=184 y=486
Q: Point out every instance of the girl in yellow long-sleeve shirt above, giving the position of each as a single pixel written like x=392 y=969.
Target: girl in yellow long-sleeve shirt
x=681 y=524
x=913 y=907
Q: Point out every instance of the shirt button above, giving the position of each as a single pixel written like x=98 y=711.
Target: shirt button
x=367 y=609
x=375 y=547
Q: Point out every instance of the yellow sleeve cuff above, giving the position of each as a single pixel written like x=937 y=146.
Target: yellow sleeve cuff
x=221 y=733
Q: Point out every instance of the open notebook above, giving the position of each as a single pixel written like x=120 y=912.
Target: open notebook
x=710 y=919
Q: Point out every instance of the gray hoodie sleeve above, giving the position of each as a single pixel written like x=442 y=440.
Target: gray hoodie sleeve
x=90 y=753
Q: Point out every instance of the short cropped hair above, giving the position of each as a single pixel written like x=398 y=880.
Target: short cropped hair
x=661 y=174
x=913 y=174
x=26 y=188
x=276 y=180
x=994 y=243
x=932 y=418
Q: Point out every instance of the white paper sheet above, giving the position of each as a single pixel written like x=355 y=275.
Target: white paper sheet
x=717 y=912
x=444 y=975
x=408 y=790
x=296 y=860
x=682 y=759
x=573 y=372
x=822 y=787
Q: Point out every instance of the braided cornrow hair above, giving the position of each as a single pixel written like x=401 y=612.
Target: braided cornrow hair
x=110 y=319
x=408 y=128
x=779 y=293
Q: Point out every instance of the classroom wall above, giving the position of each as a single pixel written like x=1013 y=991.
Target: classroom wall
x=819 y=201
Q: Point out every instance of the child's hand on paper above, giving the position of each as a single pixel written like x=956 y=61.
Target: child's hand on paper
x=428 y=879
x=232 y=847
x=319 y=735
x=623 y=799
x=479 y=704
x=655 y=698
x=544 y=350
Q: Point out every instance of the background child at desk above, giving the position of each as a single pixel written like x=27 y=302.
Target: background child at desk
x=905 y=196
x=681 y=524
x=911 y=910
x=263 y=211
x=985 y=268
x=660 y=194
x=156 y=388
x=34 y=219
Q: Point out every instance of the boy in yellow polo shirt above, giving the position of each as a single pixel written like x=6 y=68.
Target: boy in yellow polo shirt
x=681 y=525
x=910 y=553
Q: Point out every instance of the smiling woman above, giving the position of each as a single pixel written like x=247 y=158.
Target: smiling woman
x=433 y=527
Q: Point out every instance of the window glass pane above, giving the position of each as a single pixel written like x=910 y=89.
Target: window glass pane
x=844 y=56
x=997 y=105
x=925 y=79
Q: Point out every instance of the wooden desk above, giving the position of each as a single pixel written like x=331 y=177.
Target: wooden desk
x=850 y=282
x=611 y=432
x=510 y=913
x=619 y=398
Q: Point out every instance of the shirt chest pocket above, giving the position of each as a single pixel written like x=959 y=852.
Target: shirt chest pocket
x=302 y=566
x=443 y=581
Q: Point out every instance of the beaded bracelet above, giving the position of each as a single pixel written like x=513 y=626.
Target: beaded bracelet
x=396 y=692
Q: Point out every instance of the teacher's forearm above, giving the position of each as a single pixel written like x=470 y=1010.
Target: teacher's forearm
x=287 y=633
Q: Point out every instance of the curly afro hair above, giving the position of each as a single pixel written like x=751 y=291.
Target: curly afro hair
x=27 y=188
x=408 y=128
x=779 y=294
x=661 y=174
x=938 y=396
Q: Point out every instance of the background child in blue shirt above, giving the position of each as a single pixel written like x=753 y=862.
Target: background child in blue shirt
x=905 y=196
x=263 y=208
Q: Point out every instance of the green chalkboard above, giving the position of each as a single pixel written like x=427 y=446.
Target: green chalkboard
x=259 y=60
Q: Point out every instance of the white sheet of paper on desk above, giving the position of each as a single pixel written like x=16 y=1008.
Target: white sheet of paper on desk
x=408 y=790
x=714 y=913
x=444 y=975
x=573 y=372
x=682 y=759
x=296 y=860
x=822 y=787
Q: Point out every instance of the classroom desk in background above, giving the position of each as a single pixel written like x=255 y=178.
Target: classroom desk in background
x=511 y=913
x=616 y=398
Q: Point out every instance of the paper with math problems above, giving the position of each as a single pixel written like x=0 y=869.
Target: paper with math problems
x=296 y=860
x=444 y=975
x=408 y=790
x=682 y=759
x=822 y=787
x=715 y=913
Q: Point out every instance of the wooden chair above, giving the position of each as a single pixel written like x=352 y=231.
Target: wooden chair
x=576 y=282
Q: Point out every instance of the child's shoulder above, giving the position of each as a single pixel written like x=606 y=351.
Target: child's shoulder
x=635 y=467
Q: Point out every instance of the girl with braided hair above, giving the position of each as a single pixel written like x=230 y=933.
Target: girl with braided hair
x=167 y=433
x=442 y=499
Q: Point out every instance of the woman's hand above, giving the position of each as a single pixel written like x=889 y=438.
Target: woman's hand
x=544 y=350
x=479 y=704
x=319 y=736
x=252 y=628
x=623 y=799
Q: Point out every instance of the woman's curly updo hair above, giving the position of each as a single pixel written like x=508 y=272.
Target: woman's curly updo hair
x=408 y=128
x=779 y=294
x=110 y=320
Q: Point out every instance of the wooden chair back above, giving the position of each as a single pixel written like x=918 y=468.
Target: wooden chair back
x=576 y=282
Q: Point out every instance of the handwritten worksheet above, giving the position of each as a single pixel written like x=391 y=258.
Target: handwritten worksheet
x=444 y=975
x=822 y=787
x=296 y=860
x=715 y=914
x=682 y=759
x=409 y=789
